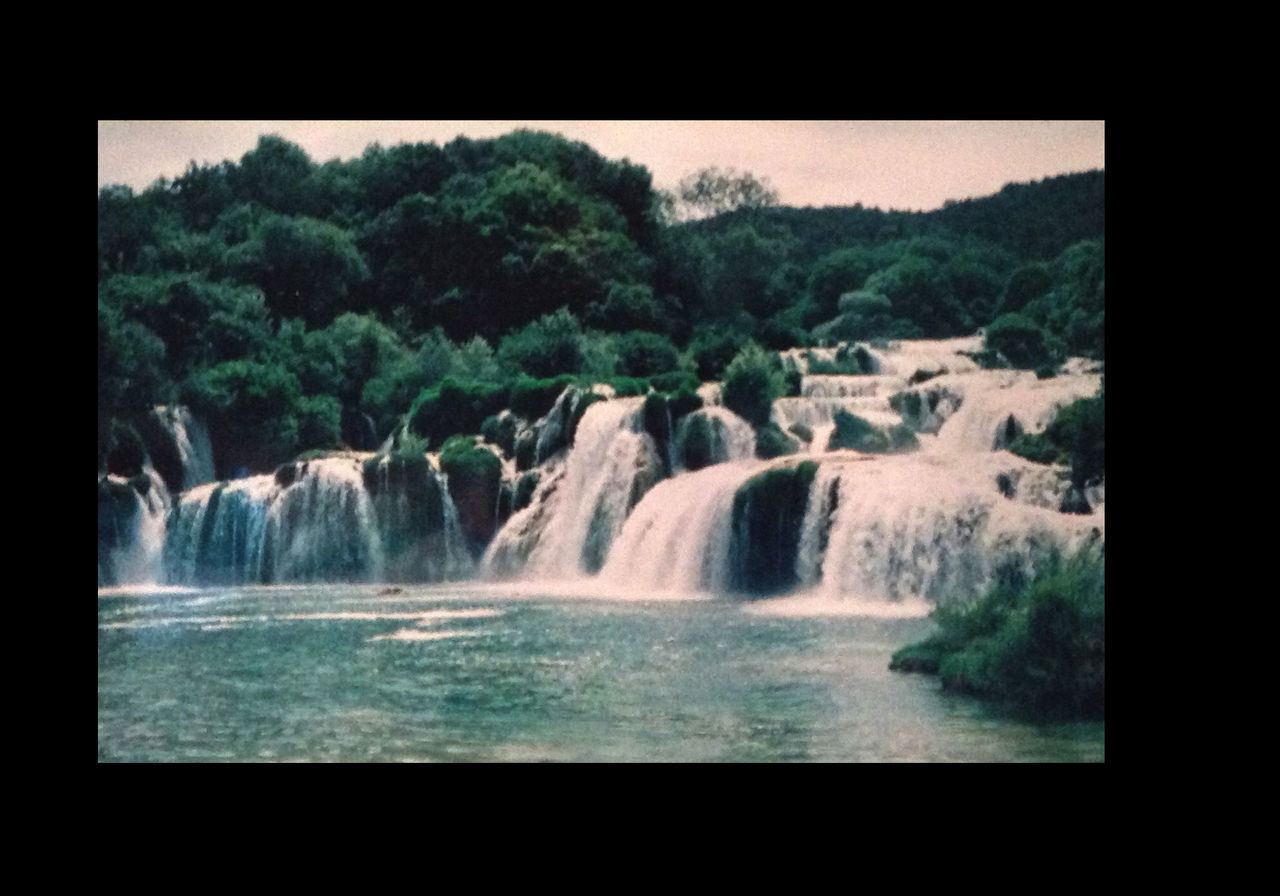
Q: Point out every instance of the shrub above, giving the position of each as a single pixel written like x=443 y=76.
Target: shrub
x=646 y=354
x=1038 y=646
x=533 y=398
x=1022 y=342
x=773 y=442
x=455 y=407
x=753 y=379
x=551 y=345
x=767 y=512
x=856 y=433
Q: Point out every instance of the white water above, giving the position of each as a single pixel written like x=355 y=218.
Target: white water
x=136 y=559
x=923 y=527
x=192 y=441
x=580 y=509
x=891 y=532
x=324 y=526
x=678 y=537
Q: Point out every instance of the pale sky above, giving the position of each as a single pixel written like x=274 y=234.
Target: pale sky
x=906 y=165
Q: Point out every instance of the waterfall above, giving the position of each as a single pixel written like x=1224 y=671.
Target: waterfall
x=348 y=517
x=927 y=527
x=648 y=507
x=678 y=537
x=576 y=512
x=990 y=399
x=131 y=527
x=186 y=447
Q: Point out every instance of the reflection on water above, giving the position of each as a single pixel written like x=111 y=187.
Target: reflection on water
x=470 y=673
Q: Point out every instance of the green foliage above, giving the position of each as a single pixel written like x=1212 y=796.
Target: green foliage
x=524 y=491
x=500 y=430
x=453 y=407
x=1075 y=436
x=460 y=457
x=697 y=446
x=252 y=409
x=475 y=480
x=533 y=398
x=642 y=354
x=676 y=381
x=683 y=401
x=624 y=386
x=551 y=345
x=1022 y=341
x=306 y=267
x=773 y=442
x=1038 y=645
x=126 y=452
x=319 y=422
x=372 y=281
x=1031 y=281
x=753 y=379
x=712 y=349
x=853 y=432
x=628 y=306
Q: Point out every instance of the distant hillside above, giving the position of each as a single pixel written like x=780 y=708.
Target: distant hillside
x=1033 y=221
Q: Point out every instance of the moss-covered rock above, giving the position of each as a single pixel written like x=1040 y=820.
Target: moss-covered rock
x=475 y=477
x=767 y=514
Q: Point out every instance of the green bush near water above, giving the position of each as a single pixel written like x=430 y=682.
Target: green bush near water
x=1037 y=645
x=853 y=432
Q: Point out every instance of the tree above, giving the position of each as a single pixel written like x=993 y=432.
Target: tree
x=712 y=191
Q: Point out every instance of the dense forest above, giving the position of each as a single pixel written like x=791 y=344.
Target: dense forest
x=299 y=306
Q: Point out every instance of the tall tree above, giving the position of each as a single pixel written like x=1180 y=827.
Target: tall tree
x=713 y=191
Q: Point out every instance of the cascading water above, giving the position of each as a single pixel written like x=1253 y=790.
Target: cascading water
x=131 y=528
x=577 y=511
x=677 y=539
x=935 y=524
x=351 y=517
x=191 y=441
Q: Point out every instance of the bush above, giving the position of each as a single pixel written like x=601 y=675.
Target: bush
x=773 y=442
x=455 y=407
x=1038 y=646
x=551 y=345
x=1022 y=342
x=1076 y=436
x=533 y=398
x=753 y=379
x=646 y=354
x=853 y=432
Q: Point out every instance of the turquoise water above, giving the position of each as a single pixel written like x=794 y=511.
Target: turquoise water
x=486 y=674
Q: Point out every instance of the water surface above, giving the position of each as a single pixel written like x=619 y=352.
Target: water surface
x=482 y=674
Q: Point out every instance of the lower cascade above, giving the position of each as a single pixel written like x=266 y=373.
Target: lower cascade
x=353 y=517
x=647 y=499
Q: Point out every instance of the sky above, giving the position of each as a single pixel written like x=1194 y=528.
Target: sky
x=904 y=165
